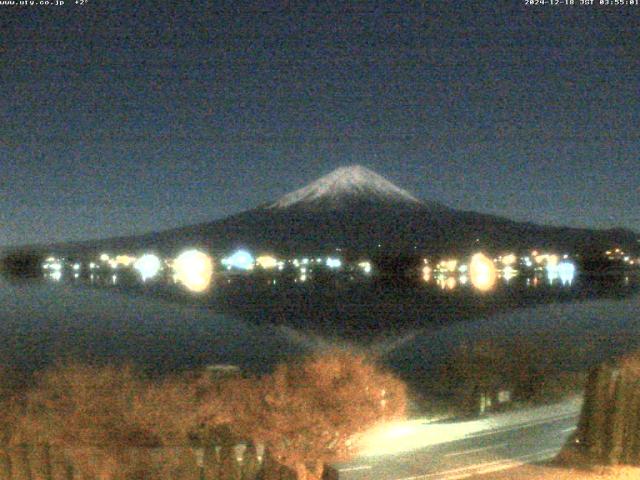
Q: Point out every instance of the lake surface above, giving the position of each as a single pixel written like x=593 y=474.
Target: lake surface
x=43 y=321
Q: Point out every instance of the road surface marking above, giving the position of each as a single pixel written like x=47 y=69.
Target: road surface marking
x=568 y=430
x=474 y=450
x=353 y=469
x=487 y=467
x=518 y=461
x=521 y=426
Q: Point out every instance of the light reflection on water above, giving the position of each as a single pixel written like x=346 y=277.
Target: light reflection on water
x=194 y=270
x=42 y=321
x=557 y=276
x=596 y=329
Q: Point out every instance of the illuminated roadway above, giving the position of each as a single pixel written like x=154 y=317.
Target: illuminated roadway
x=465 y=449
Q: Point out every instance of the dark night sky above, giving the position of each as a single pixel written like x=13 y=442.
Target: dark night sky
x=125 y=117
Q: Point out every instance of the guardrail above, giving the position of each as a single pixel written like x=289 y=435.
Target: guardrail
x=45 y=462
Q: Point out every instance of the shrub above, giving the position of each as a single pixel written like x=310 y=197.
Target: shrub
x=307 y=412
x=99 y=416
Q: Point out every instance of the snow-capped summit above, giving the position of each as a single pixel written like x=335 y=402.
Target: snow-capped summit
x=347 y=184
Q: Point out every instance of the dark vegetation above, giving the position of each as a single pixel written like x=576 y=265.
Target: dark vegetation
x=609 y=428
x=107 y=422
x=483 y=369
x=25 y=264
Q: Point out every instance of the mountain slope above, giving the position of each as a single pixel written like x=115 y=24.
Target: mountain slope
x=356 y=209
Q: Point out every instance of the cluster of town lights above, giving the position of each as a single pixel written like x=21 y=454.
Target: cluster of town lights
x=267 y=262
x=620 y=255
x=483 y=272
x=194 y=269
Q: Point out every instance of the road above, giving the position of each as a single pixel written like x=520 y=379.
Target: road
x=438 y=451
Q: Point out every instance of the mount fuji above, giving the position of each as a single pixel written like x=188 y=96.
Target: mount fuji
x=346 y=186
x=357 y=210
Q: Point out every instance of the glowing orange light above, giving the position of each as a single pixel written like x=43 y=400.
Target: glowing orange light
x=482 y=272
x=426 y=273
x=125 y=260
x=194 y=270
x=509 y=259
x=448 y=283
x=451 y=283
x=267 y=262
x=449 y=265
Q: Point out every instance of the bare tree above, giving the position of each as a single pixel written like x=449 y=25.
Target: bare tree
x=307 y=412
x=102 y=417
